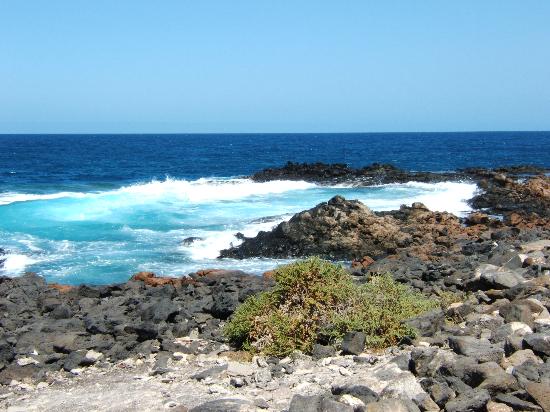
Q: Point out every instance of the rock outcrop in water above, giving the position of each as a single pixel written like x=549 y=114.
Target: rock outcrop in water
x=380 y=173
x=343 y=229
x=340 y=173
x=504 y=195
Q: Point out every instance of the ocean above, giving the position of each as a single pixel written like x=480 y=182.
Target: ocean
x=95 y=209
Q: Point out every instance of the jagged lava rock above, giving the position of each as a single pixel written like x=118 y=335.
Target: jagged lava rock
x=343 y=229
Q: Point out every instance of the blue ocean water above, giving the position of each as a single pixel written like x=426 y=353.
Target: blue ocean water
x=98 y=208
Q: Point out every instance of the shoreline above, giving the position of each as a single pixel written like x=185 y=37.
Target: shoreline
x=167 y=330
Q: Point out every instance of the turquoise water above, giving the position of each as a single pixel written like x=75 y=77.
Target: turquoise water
x=103 y=237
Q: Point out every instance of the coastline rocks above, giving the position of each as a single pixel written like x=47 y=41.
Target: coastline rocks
x=343 y=229
x=373 y=174
x=504 y=195
x=2 y=259
x=80 y=326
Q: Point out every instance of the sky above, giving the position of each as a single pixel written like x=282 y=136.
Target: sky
x=80 y=66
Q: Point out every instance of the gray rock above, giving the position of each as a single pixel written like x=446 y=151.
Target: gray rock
x=527 y=371
x=512 y=344
x=322 y=351
x=7 y=354
x=354 y=343
x=538 y=342
x=190 y=240
x=542 y=326
x=237 y=381
x=76 y=359
x=440 y=392
x=210 y=372
x=471 y=401
x=499 y=381
x=61 y=312
x=492 y=277
x=510 y=260
x=479 y=349
x=392 y=405
x=427 y=324
x=362 y=392
x=403 y=361
x=516 y=403
x=224 y=405
x=331 y=405
x=427 y=362
x=262 y=377
x=517 y=312
x=302 y=403
x=159 y=310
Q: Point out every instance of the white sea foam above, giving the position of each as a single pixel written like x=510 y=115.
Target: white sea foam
x=205 y=190
x=442 y=197
x=214 y=241
x=195 y=191
x=11 y=197
x=15 y=263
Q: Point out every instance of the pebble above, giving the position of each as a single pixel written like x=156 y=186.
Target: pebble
x=170 y=404
x=27 y=361
x=218 y=389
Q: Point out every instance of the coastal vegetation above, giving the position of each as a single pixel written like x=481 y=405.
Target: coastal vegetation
x=317 y=301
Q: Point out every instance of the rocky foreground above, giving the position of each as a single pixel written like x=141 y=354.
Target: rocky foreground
x=156 y=343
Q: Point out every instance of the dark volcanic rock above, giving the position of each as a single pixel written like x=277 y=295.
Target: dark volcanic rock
x=325 y=173
x=354 y=343
x=118 y=321
x=190 y=240
x=474 y=400
x=503 y=194
x=343 y=229
x=479 y=349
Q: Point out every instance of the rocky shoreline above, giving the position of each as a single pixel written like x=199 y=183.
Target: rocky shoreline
x=159 y=339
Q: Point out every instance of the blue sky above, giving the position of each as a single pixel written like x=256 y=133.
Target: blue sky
x=273 y=66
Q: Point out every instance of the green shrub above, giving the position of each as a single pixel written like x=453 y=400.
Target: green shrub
x=314 y=300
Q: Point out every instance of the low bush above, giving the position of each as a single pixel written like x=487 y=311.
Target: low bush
x=316 y=301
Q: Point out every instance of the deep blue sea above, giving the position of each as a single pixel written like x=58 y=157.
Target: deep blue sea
x=98 y=208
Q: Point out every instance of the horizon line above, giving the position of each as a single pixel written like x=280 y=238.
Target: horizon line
x=259 y=133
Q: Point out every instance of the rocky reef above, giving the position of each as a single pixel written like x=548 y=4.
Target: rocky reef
x=502 y=194
x=343 y=229
x=383 y=173
x=373 y=174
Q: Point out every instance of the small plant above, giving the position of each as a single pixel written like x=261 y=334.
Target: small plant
x=314 y=300
x=447 y=298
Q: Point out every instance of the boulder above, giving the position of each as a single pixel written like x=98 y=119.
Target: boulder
x=225 y=405
x=427 y=324
x=362 y=392
x=479 y=349
x=540 y=392
x=392 y=405
x=516 y=403
x=538 y=342
x=517 y=312
x=473 y=400
x=354 y=343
